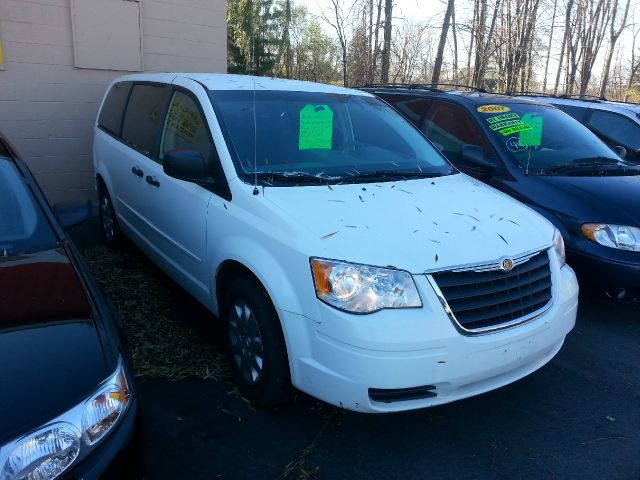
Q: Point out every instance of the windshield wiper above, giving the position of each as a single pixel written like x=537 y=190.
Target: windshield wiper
x=295 y=177
x=590 y=163
x=394 y=174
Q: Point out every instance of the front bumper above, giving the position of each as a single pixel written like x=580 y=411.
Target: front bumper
x=603 y=272
x=343 y=356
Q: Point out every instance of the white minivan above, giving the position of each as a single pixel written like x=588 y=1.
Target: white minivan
x=345 y=255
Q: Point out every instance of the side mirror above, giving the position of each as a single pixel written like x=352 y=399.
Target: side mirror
x=70 y=214
x=185 y=165
x=620 y=151
x=473 y=155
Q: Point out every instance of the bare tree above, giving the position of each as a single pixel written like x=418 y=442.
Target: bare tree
x=437 y=67
x=386 y=50
x=635 y=65
x=485 y=42
x=546 y=66
x=614 y=34
x=339 y=19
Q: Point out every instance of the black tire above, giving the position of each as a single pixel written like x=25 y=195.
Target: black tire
x=109 y=226
x=257 y=350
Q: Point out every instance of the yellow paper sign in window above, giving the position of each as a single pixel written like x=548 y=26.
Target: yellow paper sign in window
x=316 y=127
x=183 y=120
x=1 y=54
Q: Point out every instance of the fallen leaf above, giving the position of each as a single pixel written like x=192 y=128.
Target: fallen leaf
x=328 y=235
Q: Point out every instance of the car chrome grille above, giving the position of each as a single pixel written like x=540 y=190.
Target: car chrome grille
x=486 y=300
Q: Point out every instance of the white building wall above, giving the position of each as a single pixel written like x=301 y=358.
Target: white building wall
x=48 y=107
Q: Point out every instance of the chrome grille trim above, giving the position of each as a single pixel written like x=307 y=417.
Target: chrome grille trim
x=498 y=326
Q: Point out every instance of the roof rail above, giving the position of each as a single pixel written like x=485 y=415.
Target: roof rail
x=623 y=102
x=567 y=96
x=425 y=86
x=530 y=94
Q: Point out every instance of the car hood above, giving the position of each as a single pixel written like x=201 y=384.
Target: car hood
x=51 y=355
x=607 y=199
x=415 y=225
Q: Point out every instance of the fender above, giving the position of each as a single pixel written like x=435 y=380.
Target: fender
x=264 y=264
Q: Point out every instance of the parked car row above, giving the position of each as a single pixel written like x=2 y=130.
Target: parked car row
x=382 y=249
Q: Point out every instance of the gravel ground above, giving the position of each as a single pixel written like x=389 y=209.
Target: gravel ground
x=169 y=338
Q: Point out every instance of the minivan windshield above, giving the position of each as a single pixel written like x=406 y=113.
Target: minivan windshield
x=23 y=227
x=543 y=140
x=290 y=138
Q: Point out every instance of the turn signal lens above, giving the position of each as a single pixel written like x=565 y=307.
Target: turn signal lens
x=102 y=412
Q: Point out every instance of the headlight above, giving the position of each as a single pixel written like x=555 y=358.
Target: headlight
x=44 y=455
x=361 y=288
x=614 y=236
x=47 y=453
x=558 y=246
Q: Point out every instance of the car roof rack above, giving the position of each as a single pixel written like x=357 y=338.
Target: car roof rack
x=567 y=96
x=426 y=86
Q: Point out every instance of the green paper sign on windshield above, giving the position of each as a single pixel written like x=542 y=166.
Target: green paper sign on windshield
x=316 y=127
x=533 y=136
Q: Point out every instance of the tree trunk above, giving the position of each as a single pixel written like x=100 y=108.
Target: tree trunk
x=437 y=67
x=455 y=47
x=559 y=72
x=376 y=45
x=386 y=52
x=614 y=35
x=546 y=66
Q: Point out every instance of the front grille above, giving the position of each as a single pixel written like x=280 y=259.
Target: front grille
x=484 y=300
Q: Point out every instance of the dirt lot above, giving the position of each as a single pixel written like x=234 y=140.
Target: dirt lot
x=578 y=417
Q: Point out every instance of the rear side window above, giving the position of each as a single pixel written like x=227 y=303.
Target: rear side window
x=143 y=118
x=618 y=128
x=450 y=127
x=576 y=112
x=110 y=118
x=411 y=107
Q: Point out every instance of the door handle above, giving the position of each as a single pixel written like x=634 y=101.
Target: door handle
x=137 y=171
x=152 y=181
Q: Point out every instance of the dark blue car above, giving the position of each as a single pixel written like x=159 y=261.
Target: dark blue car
x=547 y=160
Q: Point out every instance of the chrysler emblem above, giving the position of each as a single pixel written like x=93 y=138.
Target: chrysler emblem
x=507 y=264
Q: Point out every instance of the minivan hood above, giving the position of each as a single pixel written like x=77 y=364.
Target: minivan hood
x=416 y=225
x=606 y=199
x=51 y=354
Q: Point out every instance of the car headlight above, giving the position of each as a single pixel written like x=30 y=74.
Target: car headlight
x=51 y=450
x=45 y=454
x=614 y=236
x=558 y=246
x=359 y=288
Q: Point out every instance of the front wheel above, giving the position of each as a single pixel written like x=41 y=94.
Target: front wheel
x=257 y=350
